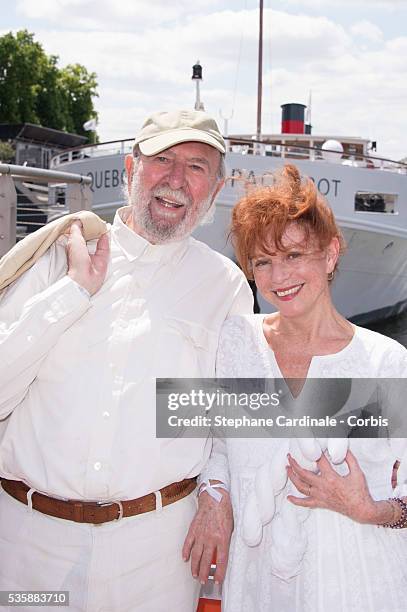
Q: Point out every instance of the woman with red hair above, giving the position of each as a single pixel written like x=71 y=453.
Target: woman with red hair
x=309 y=541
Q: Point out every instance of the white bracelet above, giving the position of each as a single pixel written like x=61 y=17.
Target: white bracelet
x=211 y=489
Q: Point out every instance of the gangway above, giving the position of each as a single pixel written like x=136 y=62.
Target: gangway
x=29 y=197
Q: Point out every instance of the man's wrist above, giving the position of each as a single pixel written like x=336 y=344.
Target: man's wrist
x=215 y=488
x=84 y=291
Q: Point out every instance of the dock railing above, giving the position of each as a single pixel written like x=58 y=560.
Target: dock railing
x=28 y=196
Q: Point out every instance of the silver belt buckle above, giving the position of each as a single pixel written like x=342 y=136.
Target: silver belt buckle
x=111 y=503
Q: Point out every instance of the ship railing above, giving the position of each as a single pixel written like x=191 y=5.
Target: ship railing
x=243 y=146
x=102 y=149
x=29 y=197
x=308 y=153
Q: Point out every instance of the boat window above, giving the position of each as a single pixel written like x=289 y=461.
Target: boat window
x=375 y=202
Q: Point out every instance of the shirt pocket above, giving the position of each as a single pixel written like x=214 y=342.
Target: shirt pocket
x=188 y=349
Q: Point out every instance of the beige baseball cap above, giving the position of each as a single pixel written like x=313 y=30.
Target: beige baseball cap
x=166 y=129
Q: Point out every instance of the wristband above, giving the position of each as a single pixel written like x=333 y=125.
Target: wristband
x=211 y=490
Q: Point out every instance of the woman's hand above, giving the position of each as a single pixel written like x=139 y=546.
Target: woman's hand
x=348 y=494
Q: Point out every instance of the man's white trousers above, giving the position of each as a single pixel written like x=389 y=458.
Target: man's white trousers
x=132 y=565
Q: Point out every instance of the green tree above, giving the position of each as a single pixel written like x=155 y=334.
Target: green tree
x=33 y=89
x=79 y=89
x=7 y=152
x=50 y=102
x=21 y=63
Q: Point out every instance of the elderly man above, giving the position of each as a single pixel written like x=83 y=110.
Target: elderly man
x=92 y=501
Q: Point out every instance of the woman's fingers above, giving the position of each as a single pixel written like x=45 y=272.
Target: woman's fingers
x=352 y=462
x=302 y=486
x=306 y=475
x=304 y=502
x=324 y=465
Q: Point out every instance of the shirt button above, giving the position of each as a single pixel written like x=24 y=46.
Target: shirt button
x=106 y=414
x=97 y=465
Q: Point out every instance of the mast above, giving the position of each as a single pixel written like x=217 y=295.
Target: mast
x=260 y=72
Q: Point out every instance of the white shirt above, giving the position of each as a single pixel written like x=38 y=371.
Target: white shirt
x=77 y=375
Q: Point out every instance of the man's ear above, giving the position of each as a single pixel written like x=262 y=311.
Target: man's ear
x=129 y=165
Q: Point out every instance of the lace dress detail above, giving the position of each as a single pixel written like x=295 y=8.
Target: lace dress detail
x=318 y=560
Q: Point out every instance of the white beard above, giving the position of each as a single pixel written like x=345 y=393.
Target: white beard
x=162 y=232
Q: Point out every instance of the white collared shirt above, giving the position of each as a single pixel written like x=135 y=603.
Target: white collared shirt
x=77 y=375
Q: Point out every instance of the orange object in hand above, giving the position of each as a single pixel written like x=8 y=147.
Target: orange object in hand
x=209 y=605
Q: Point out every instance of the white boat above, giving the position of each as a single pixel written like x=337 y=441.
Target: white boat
x=368 y=196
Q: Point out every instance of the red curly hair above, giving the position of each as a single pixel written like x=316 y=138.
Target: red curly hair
x=262 y=216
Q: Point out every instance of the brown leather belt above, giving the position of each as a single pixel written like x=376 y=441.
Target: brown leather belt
x=97 y=512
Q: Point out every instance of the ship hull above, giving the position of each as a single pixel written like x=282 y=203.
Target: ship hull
x=372 y=279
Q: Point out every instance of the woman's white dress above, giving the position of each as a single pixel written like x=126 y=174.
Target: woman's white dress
x=325 y=562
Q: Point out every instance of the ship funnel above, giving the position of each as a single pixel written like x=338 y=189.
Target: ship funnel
x=293 y=118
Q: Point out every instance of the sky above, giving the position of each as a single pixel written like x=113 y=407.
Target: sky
x=351 y=54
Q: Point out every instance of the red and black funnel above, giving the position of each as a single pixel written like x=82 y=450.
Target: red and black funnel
x=293 y=118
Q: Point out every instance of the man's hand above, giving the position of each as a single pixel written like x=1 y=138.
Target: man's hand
x=210 y=532
x=87 y=270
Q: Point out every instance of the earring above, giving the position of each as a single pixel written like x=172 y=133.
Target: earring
x=331 y=275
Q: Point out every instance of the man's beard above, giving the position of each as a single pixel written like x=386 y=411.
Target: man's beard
x=163 y=231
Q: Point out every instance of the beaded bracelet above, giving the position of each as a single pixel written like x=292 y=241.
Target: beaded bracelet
x=402 y=522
